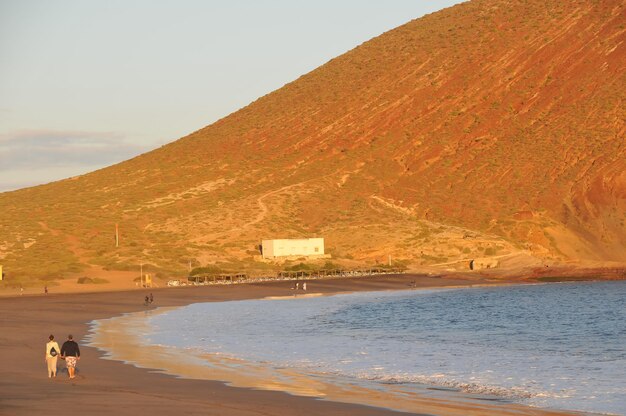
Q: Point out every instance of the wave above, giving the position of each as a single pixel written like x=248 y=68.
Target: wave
x=442 y=381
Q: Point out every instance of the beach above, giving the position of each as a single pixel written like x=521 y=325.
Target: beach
x=108 y=386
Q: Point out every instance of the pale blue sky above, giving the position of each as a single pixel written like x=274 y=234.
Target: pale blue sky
x=88 y=83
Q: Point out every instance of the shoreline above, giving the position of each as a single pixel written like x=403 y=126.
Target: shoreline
x=112 y=386
x=235 y=372
x=123 y=281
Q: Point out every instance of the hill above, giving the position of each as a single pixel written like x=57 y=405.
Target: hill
x=493 y=128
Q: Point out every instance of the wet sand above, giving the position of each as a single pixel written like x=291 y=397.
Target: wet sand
x=112 y=387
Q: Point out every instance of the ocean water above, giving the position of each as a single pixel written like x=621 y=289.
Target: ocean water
x=560 y=346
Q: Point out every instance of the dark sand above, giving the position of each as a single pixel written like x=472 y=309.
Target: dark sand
x=111 y=387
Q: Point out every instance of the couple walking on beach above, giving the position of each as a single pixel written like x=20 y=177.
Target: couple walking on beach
x=68 y=352
x=148 y=300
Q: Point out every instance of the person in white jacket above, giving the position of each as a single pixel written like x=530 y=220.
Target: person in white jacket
x=52 y=352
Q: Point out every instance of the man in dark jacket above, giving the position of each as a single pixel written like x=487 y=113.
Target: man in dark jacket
x=71 y=354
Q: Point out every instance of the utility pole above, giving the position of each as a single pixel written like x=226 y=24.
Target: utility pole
x=117 y=236
x=390 y=259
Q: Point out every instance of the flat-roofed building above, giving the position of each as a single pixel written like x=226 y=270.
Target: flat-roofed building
x=310 y=247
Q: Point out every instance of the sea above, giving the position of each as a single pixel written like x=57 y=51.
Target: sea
x=557 y=346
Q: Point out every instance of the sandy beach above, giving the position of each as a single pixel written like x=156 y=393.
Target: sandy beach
x=107 y=386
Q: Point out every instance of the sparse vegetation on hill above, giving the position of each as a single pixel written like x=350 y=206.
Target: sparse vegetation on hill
x=491 y=128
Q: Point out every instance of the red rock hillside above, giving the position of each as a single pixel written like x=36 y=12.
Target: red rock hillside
x=494 y=128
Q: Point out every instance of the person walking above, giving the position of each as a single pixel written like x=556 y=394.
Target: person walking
x=52 y=352
x=71 y=354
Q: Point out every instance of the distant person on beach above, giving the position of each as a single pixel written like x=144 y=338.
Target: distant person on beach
x=297 y=285
x=71 y=354
x=52 y=353
x=151 y=298
x=146 y=300
x=45 y=290
x=304 y=286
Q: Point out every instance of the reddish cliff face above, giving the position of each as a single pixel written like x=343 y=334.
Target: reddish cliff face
x=490 y=127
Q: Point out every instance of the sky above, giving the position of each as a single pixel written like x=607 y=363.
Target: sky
x=85 y=84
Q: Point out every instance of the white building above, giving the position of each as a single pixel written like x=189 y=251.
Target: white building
x=310 y=247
